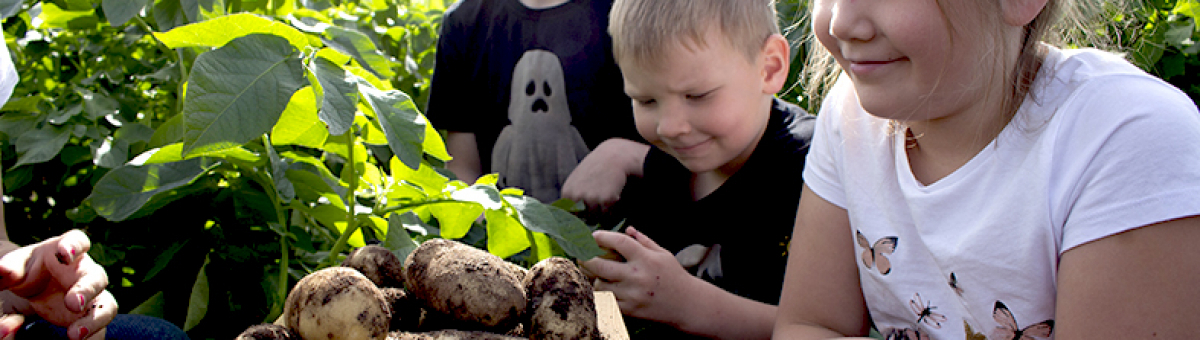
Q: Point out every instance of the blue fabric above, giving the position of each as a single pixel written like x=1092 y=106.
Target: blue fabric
x=123 y=327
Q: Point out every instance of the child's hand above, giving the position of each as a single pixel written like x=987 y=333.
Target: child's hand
x=57 y=281
x=649 y=284
x=599 y=178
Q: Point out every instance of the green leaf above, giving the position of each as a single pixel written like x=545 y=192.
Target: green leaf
x=398 y=240
x=220 y=31
x=164 y=259
x=310 y=187
x=486 y=195
x=42 y=144
x=111 y=153
x=455 y=218
x=154 y=306
x=505 y=236
x=120 y=11
x=298 y=125
x=359 y=46
x=9 y=8
x=338 y=95
x=401 y=122
x=574 y=236
x=169 y=14
x=169 y=132
x=198 y=302
x=429 y=180
x=56 y=17
x=124 y=190
x=97 y=105
x=434 y=145
x=237 y=92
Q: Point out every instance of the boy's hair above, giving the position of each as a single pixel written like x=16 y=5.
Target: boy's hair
x=643 y=29
x=1074 y=23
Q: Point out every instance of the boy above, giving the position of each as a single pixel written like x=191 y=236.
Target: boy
x=720 y=186
x=543 y=88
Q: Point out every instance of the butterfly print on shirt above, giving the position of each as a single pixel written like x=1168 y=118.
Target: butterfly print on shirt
x=873 y=255
x=905 y=334
x=1009 y=329
x=925 y=312
x=954 y=284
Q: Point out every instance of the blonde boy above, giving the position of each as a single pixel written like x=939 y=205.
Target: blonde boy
x=702 y=75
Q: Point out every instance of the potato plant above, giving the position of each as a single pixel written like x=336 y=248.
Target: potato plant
x=204 y=144
x=209 y=144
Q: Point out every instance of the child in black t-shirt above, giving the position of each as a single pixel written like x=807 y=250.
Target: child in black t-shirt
x=712 y=212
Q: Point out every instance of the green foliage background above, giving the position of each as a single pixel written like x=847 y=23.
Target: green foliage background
x=218 y=150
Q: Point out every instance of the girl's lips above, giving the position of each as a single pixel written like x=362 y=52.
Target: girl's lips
x=863 y=68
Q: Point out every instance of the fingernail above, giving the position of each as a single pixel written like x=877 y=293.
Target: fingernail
x=82 y=302
x=83 y=331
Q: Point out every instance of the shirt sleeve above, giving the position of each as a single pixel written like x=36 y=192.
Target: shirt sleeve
x=1135 y=145
x=822 y=171
x=451 y=74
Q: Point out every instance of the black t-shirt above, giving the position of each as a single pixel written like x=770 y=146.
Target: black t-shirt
x=481 y=43
x=751 y=215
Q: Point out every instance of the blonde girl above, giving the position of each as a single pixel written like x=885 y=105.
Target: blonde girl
x=968 y=180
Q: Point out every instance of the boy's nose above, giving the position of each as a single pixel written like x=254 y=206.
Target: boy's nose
x=848 y=21
x=673 y=122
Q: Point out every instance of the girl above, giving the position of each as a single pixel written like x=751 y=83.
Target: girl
x=968 y=180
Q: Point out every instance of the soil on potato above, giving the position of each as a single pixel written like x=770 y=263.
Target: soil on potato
x=475 y=287
x=450 y=334
x=268 y=332
x=561 y=302
x=378 y=264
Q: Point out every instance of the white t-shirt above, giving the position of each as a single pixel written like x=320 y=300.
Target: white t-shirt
x=1100 y=147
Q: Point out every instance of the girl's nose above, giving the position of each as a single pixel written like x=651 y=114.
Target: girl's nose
x=848 y=21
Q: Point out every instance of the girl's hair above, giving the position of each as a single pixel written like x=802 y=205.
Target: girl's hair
x=642 y=30
x=1062 y=23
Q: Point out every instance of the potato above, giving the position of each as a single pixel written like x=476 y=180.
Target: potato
x=451 y=334
x=337 y=303
x=470 y=285
x=407 y=313
x=268 y=332
x=561 y=301
x=377 y=263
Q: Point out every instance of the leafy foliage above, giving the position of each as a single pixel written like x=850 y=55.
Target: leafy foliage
x=207 y=144
x=218 y=150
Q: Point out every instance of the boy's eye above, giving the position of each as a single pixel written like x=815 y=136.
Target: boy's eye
x=698 y=95
x=644 y=102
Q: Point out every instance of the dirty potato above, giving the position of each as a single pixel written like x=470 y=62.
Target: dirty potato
x=337 y=303
x=468 y=284
x=407 y=313
x=561 y=301
x=378 y=264
x=450 y=334
x=268 y=332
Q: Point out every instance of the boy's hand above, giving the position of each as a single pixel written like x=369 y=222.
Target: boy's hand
x=57 y=281
x=649 y=284
x=599 y=178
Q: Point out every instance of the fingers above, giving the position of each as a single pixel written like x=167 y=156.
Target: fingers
x=644 y=240
x=9 y=324
x=73 y=269
x=100 y=313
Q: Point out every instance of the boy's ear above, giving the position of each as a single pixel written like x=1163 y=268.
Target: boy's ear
x=776 y=58
x=1019 y=13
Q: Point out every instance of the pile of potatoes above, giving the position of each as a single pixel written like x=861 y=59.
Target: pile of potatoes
x=443 y=290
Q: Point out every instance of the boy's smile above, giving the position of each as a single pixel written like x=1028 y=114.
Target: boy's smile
x=707 y=106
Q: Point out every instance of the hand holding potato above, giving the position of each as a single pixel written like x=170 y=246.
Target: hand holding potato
x=650 y=283
x=57 y=281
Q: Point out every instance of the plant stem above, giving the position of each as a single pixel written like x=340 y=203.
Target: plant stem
x=352 y=185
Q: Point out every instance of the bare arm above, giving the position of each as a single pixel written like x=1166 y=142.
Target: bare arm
x=1138 y=284
x=822 y=297
x=466 y=163
x=598 y=180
